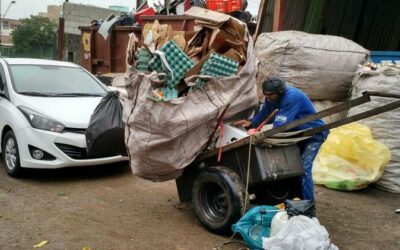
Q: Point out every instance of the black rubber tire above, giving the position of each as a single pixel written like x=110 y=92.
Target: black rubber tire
x=16 y=170
x=218 y=198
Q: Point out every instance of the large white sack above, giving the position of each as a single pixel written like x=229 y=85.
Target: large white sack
x=164 y=137
x=385 y=126
x=322 y=66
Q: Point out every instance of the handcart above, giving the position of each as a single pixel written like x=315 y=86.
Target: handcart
x=218 y=189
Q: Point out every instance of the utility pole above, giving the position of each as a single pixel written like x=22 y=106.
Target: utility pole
x=61 y=40
x=61 y=35
x=1 y=22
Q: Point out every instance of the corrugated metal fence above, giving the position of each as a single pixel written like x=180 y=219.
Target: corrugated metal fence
x=373 y=24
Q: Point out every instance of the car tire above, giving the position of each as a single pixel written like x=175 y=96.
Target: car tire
x=218 y=198
x=11 y=155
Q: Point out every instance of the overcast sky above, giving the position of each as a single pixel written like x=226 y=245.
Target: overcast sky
x=25 y=8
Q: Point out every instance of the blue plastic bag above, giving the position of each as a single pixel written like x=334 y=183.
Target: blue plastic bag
x=255 y=224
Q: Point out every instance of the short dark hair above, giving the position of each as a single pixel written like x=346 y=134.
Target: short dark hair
x=274 y=84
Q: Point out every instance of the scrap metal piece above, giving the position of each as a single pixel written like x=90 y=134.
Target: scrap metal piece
x=105 y=27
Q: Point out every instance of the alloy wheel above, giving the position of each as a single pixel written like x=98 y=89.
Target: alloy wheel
x=11 y=153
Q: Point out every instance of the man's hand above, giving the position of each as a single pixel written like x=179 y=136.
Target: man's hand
x=244 y=123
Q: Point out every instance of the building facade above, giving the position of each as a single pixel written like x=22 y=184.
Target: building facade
x=7 y=26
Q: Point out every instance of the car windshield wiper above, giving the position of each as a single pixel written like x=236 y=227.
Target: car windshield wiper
x=34 y=93
x=76 y=94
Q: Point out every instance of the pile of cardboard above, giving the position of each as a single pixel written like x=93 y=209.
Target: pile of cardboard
x=217 y=49
x=219 y=33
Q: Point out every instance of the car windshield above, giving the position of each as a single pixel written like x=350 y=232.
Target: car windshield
x=50 y=80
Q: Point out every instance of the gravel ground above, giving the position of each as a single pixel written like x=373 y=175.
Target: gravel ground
x=107 y=207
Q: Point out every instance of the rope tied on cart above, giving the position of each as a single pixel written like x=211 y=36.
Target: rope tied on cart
x=221 y=135
x=246 y=201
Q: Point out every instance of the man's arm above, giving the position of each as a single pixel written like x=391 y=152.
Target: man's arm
x=260 y=115
x=287 y=113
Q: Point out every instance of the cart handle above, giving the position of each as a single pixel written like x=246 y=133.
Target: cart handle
x=366 y=97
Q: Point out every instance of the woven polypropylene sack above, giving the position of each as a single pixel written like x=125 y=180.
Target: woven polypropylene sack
x=164 y=137
x=320 y=65
x=385 y=126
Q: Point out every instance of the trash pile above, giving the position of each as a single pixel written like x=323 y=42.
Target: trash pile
x=218 y=49
x=290 y=225
x=179 y=83
x=385 y=127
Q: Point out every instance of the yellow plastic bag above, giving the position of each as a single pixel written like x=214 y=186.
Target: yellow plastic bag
x=350 y=158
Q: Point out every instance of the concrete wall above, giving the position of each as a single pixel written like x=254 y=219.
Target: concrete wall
x=76 y=15
x=72 y=49
x=53 y=12
x=81 y=15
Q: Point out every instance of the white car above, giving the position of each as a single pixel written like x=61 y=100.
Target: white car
x=45 y=109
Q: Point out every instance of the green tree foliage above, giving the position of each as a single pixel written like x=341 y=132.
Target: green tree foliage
x=34 y=33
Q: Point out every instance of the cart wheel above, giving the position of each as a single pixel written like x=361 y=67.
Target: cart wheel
x=218 y=199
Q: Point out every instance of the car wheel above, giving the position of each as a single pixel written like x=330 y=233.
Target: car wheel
x=218 y=198
x=11 y=154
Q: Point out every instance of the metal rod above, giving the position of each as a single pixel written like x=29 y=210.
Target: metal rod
x=353 y=118
x=339 y=108
x=373 y=93
x=260 y=18
x=233 y=145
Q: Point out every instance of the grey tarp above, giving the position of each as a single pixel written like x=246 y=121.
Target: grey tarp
x=385 y=126
x=322 y=66
x=165 y=137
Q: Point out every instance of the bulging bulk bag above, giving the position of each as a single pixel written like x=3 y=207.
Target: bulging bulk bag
x=164 y=137
x=322 y=66
x=385 y=126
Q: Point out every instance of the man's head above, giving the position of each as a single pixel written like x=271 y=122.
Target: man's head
x=273 y=87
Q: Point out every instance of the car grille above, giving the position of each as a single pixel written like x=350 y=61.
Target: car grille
x=75 y=152
x=75 y=130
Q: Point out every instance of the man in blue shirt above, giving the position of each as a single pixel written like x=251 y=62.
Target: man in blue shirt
x=292 y=104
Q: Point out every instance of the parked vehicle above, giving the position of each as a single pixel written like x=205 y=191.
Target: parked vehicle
x=45 y=109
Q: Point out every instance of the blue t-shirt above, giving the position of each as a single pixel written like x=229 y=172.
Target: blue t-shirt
x=292 y=105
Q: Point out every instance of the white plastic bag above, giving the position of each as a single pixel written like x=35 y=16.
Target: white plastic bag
x=279 y=220
x=300 y=233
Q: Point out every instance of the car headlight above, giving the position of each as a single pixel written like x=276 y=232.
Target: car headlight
x=40 y=121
